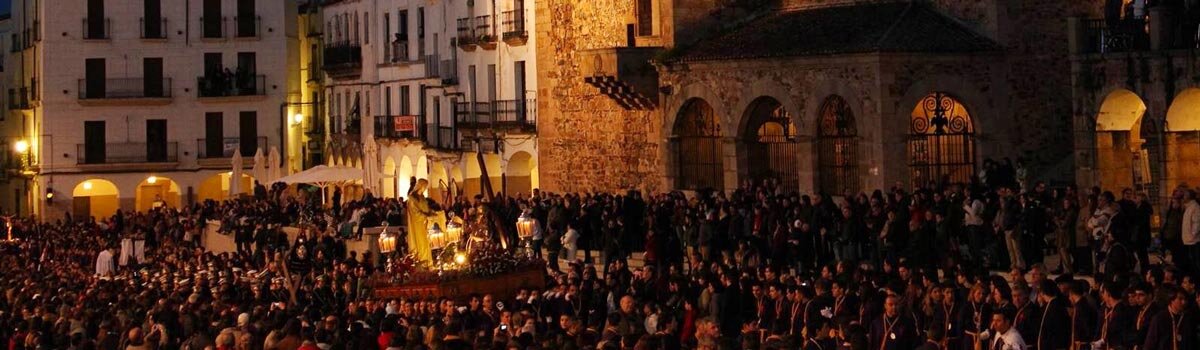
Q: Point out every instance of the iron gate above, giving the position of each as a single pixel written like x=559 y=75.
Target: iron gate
x=772 y=147
x=941 y=143
x=697 y=143
x=837 y=148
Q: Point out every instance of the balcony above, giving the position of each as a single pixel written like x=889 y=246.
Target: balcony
x=515 y=114
x=466 y=34
x=343 y=59
x=399 y=51
x=220 y=86
x=223 y=148
x=248 y=27
x=514 y=27
x=448 y=70
x=97 y=29
x=624 y=74
x=18 y=99
x=127 y=153
x=1108 y=36
x=484 y=36
x=441 y=137
x=432 y=68
x=212 y=28
x=125 y=91
x=397 y=127
x=153 y=29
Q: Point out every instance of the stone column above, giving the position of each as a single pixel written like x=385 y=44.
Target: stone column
x=1161 y=21
x=1075 y=37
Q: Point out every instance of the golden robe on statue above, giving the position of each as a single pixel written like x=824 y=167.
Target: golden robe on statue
x=421 y=217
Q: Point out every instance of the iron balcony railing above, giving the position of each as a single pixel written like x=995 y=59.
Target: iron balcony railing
x=515 y=112
x=483 y=29
x=124 y=88
x=221 y=85
x=225 y=147
x=248 y=26
x=212 y=27
x=399 y=51
x=432 y=69
x=343 y=54
x=466 y=32
x=441 y=137
x=448 y=70
x=385 y=127
x=97 y=28
x=18 y=99
x=127 y=152
x=154 y=28
x=1116 y=35
x=514 y=24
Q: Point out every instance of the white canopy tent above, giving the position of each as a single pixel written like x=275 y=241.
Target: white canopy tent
x=324 y=176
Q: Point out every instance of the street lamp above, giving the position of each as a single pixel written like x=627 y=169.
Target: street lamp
x=21 y=146
x=297 y=119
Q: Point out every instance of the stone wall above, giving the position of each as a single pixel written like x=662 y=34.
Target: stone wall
x=586 y=141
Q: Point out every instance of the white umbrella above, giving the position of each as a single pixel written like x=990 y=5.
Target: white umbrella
x=260 y=167
x=273 y=170
x=235 y=177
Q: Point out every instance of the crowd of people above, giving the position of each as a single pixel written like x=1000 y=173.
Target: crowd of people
x=1000 y=264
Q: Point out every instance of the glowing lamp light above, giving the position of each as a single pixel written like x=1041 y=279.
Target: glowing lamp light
x=437 y=239
x=460 y=258
x=525 y=226
x=297 y=118
x=152 y=179
x=387 y=242
x=453 y=231
x=87 y=185
x=21 y=146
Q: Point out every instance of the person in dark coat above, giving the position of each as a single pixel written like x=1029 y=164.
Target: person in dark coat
x=893 y=331
x=1117 y=329
x=1054 y=320
x=1083 y=317
x=1173 y=328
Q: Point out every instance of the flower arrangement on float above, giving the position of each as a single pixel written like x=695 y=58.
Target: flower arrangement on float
x=484 y=260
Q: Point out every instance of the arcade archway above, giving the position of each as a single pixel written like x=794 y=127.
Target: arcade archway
x=770 y=143
x=519 y=174
x=1183 y=140
x=1121 y=162
x=95 y=198
x=216 y=187
x=941 y=141
x=156 y=191
x=696 y=141
x=837 y=148
x=389 y=177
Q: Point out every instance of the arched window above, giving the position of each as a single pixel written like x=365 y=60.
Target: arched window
x=697 y=143
x=837 y=148
x=771 y=144
x=941 y=142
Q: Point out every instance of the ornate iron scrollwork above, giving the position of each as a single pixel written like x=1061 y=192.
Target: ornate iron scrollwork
x=939 y=113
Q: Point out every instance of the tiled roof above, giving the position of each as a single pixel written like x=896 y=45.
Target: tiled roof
x=912 y=27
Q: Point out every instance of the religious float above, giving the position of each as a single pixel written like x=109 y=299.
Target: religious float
x=467 y=257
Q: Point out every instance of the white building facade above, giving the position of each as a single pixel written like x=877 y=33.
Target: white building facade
x=420 y=88
x=133 y=104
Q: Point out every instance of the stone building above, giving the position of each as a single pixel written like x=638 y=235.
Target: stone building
x=829 y=96
x=1136 y=99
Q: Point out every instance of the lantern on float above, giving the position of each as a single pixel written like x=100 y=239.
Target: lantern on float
x=437 y=239
x=387 y=241
x=453 y=231
x=525 y=226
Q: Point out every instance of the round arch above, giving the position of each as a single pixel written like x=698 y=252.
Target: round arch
x=519 y=174
x=837 y=147
x=471 y=173
x=696 y=142
x=156 y=191
x=404 y=175
x=769 y=144
x=389 y=177
x=438 y=181
x=96 y=198
x=1182 y=162
x=941 y=141
x=216 y=187
x=1121 y=161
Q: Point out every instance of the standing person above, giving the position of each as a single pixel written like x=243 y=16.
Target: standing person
x=1006 y=336
x=105 y=264
x=1140 y=242
x=892 y=331
x=1173 y=328
x=570 y=241
x=1191 y=232
x=1065 y=218
x=973 y=210
x=1172 y=229
x=1054 y=319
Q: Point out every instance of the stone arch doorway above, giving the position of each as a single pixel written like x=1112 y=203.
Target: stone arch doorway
x=519 y=174
x=156 y=191
x=1121 y=161
x=941 y=141
x=770 y=144
x=1182 y=146
x=696 y=140
x=216 y=187
x=95 y=198
x=837 y=148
